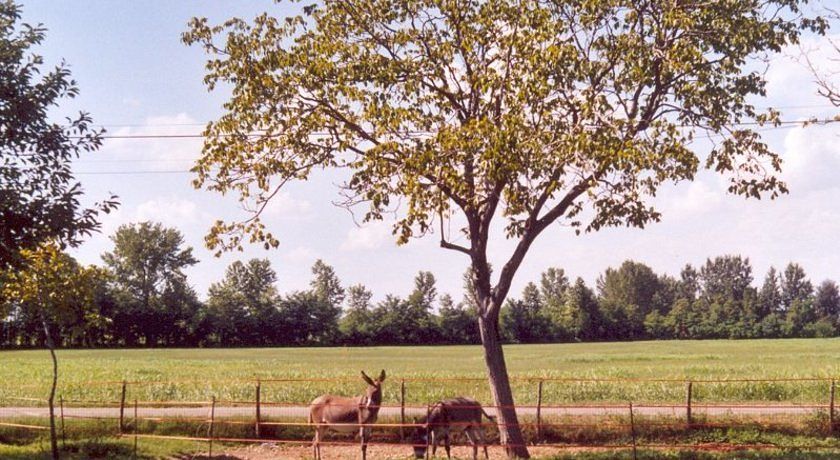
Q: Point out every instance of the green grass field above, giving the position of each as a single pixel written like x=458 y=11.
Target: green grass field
x=198 y=374
x=228 y=374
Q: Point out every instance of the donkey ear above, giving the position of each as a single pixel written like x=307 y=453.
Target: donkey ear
x=382 y=375
x=366 y=378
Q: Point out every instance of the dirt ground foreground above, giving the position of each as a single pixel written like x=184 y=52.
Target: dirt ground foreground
x=277 y=452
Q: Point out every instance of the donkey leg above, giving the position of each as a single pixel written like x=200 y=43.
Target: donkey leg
x=483 y=441
x=470 y=432
x=446 y=443
x=364 y=433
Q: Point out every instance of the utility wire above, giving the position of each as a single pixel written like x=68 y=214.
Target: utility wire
x=782 y=125
x=768 y=126
x=165 y=125
x=126 y=173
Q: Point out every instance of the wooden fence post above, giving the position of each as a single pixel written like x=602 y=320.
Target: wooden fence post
x=402 y=409
x=257 y=422
x=63 y=435
x=539 y=411
x=135 y=428
x=633 y=431
x=122 y=407
x=210 y=428
x=831 y=408
x=429 y=430
x=688 y=392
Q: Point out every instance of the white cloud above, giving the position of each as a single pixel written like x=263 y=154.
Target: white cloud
x=791 y=83
x=132 y=102
x=368 y=236
x=170 y=211
x=812 y=158
x=153 y=153
x=285 y=206
x=300 y=254
x=693 y=199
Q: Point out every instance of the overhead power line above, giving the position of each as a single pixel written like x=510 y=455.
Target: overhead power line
x=117 y=173
x=781 y=125
x=766 y=126
x=166 y=125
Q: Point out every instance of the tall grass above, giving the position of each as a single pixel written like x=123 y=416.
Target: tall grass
x=230 y=374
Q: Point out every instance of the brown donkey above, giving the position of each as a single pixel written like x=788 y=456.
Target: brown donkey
x=337 y=413
x=460 y=414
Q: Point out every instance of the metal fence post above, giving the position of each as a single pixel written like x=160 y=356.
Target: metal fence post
x=633 y=431
x=210 y=428
x=402 y=409
x=63 y=434
x=429 y=430
x=257 y=422
x=831 y=408
x=135 y=428
x=688 y=392
x=539 y=411
x=122 y=407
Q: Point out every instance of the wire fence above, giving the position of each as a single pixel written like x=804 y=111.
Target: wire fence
x=549 y=421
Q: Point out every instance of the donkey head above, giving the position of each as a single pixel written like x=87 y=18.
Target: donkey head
x=420 y=437
x=374 y=390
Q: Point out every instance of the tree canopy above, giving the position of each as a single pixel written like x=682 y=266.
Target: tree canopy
x=538 y=110
x=39 y=197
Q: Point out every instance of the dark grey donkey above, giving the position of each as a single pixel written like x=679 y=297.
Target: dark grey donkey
x=448 y=416
x=341 y=414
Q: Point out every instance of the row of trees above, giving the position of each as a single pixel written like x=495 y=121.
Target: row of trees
x=141 y=297
x=718 y=300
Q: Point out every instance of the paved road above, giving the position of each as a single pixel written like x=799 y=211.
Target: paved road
x=302 y=412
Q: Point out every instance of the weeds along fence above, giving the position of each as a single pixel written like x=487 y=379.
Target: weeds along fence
x=553 y=412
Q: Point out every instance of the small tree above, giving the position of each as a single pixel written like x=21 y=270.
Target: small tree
x=242 y=308
x=357 y=324
x=456 y=322
x=56 y=289
x=326 y=285
x=530 y=112
x=827 y=301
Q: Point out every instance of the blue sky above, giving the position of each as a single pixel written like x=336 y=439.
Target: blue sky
x=136 y=77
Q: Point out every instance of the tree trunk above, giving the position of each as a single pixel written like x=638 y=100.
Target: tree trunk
x=510 y=432
x=51 y=400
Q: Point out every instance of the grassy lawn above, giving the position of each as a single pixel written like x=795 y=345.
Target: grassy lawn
x=110 y=448
x=198 y=374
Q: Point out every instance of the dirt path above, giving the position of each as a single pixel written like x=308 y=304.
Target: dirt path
x=302 y=412
x=273 y=452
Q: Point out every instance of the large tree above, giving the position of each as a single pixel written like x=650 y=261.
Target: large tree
x=572 y=111
x=39 y=197
x=156 y=303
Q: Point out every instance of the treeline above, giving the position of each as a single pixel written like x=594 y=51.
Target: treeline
x=144 y=300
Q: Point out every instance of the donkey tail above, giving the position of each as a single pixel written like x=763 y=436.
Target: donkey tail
x=489 y=417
